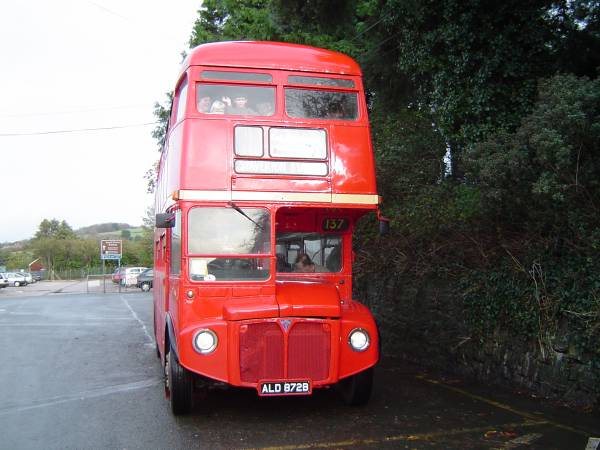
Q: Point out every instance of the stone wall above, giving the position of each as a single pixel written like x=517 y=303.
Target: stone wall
x=426 y=324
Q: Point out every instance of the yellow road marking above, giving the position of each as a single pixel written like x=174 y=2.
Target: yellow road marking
x=532 y=420
x=403 y=437
x=502 y=406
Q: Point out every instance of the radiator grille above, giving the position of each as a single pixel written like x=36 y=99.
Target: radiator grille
x=262 y=351
x=308 y=351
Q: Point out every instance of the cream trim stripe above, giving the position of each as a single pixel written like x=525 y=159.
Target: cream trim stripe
x=361 y=199
x=281 y=196
x=205 y=195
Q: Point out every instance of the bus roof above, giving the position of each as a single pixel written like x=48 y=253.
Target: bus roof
x=271 y=55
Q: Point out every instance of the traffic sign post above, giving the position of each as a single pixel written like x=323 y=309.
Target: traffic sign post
x=110 y=249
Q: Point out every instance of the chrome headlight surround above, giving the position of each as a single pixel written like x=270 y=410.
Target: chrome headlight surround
x=205 y=341
x=359 y=340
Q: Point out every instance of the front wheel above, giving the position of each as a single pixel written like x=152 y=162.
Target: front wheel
x=16 y=284
x=356 y=390
x=179 y=386
x=145 y=287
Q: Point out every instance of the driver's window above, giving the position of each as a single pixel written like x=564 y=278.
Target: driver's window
x=309 y=252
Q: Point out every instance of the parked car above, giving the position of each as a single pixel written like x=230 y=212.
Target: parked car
x=118 y=274
x=144 y=280
x=28 y=277
x=129 y=277
x=37 y=276
x=15 y=279
x=3 y=281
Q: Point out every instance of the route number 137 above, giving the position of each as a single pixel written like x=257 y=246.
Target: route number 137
x=335 y=224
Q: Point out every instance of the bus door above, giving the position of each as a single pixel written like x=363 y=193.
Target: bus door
x=159 y=286
x=173 y=269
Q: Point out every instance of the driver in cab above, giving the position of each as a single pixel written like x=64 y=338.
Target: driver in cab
x=305 y=265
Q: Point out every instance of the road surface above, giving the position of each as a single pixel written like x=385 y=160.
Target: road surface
x=79 y=371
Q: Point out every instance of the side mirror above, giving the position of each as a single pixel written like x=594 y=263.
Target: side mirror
x=384 y=227
x=165 y=220
x=384 y=224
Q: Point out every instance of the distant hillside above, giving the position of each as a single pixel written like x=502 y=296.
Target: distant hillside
x=109 y=227
x=126 y=233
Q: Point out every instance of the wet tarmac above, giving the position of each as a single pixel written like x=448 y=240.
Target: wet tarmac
x=80 y=372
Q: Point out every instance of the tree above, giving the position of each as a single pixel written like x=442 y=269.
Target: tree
x=18 y=260
x=53 y=242
x=54 y=229
x=221 y=20
x=549 y=165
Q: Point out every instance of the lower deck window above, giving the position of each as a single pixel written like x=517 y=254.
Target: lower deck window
x=229 y=269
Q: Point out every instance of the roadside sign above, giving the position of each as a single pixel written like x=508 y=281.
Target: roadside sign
x=111 y=249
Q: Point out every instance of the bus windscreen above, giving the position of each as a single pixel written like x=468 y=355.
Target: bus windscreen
x=229 y=231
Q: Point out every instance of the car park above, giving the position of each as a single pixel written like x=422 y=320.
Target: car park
x=16 y=279
x=144 y=280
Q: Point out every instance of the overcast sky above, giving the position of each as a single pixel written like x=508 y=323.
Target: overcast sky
x=81 y=64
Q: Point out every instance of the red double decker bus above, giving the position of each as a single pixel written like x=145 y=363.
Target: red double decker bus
x=267 y=166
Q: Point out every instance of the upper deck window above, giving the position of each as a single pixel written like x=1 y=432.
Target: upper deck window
x=236 y=76
x=320 y=81
x=235 y=100
x=321 y=104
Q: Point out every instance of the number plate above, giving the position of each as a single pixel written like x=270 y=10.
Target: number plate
x=296 y=387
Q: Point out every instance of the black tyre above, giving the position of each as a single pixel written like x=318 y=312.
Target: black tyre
x=356 y=390
x=179 y=386
x=16 y=284
x=145 y=286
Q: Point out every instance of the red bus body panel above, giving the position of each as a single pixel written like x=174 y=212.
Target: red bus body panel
x=290 y=326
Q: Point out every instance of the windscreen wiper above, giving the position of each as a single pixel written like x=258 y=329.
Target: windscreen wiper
x=237 y=208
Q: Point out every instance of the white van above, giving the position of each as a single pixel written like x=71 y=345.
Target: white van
x=129 y=278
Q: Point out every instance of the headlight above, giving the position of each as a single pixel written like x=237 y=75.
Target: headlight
x=359 y=340
x=205 y=341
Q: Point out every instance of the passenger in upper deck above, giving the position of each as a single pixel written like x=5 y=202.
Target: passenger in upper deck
x=265 y=109
x=218 y=107
x=239 y=106
x=204 y=104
